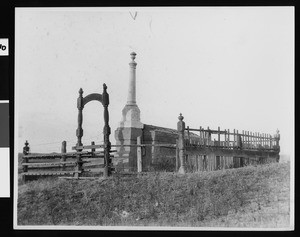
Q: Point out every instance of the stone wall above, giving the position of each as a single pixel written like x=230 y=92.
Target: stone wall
x=154 y=158
x=158 y=158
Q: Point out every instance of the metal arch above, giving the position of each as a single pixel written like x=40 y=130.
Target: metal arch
x=104 y=99
x=90 y=97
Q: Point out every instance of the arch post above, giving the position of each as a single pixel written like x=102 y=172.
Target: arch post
x=79 y=134
x=106 y=133
x=79 y=131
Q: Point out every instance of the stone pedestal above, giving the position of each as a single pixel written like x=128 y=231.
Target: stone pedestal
x=131 y=117
x=126 y=157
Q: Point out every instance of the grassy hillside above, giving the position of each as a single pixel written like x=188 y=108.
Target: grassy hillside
x=244 y=197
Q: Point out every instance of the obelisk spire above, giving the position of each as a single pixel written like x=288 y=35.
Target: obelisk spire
x=131 y=98
x=131 y=111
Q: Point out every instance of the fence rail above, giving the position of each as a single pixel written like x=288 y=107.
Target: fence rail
x=227 y=139
x=124 y=145
x=74 y=164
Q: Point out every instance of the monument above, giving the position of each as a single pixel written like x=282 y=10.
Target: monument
x=130 y=127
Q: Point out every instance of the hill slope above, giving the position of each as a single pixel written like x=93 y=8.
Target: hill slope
x=244 y=197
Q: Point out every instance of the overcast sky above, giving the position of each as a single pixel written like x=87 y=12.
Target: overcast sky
x=218 y=66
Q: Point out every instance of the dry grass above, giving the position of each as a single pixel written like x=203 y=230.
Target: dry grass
x=244 y=197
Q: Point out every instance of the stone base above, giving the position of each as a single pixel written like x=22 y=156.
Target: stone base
x=181 y=170
x=126 y=157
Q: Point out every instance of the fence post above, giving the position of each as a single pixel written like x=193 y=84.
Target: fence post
x=25 y=160
x=181 y=147
x=225 y=138
x=200 y=136
x=219 y=138
x=177 y=157
x=208 y=137
x=277 y=138
x=78 y=166
x=243 y=137
x=25 y=152
x=248 y=139
x=93 y=149
x=204 y=137
x=228 y=138
x=260 y=140
x=63 y=150
x=188 y=134
x=234 y=138
x=139 y=154
x=239 y=140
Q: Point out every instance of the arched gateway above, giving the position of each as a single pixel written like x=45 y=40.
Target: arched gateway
x=81 y=102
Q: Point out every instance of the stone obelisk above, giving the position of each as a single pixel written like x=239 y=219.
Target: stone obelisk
x=130 y=127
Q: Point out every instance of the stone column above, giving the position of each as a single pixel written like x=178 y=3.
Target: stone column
x=130 y=127
x=131 y=98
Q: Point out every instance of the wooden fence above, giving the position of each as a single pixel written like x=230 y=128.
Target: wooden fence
x=221 y=149
x=210 y=150
x=79 y=165
x=75 y=165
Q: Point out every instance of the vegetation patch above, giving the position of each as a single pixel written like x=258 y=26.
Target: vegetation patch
x=243 y=197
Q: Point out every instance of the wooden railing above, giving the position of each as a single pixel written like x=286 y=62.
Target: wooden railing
x=227 y=139
x=218 y=145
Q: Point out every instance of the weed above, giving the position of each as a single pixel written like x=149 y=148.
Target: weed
x=237 y=197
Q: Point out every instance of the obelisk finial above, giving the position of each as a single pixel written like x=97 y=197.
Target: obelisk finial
x=133 y=54
x=133 y=64
x=180 y=117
